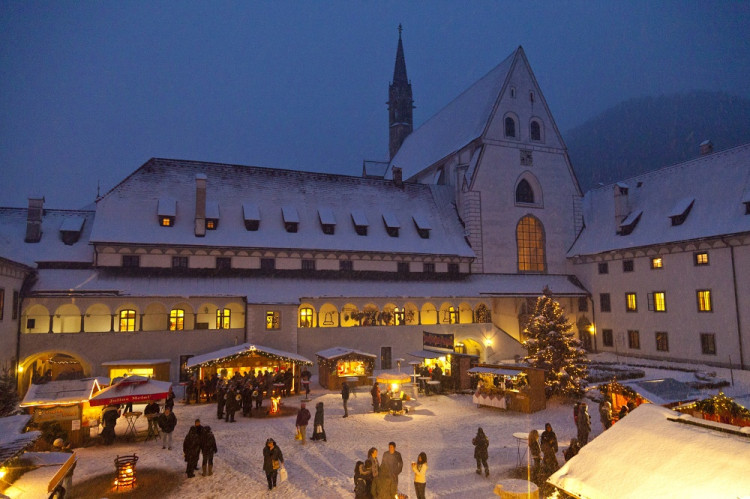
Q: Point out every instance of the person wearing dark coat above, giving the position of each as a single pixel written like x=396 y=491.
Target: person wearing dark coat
x=247 y=401
x=232 y=405
x=572 y=450
x=273 y=459
x=481 y=444
x=303 y=417
x=381 y=488
x=371 y=468
x=319 y=431
x=375 y=392
x=152 y=413
x=258 y=396
x=345 y=397
x=167 y=422
x=169 y=403
x=221 y=401
x=109 y=418
x=548 y=443
x=391 y=467
x=584 y=424
x=605 y=414
x=306 y=375
x=535 y=451
x=361 y=490
x=191 y=448
x=208 y=449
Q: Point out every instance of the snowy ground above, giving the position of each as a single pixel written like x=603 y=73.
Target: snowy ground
x=441 y=426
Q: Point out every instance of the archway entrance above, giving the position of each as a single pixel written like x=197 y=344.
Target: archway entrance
x=51 y=366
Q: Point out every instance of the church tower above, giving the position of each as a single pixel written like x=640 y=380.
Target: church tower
x=400 y=103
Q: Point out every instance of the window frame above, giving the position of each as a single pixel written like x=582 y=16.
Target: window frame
x=509 y=125
x=223 y=318
x=308 y=264
x=346 y=265
x=530 y=257
x=602 y=268
x=180 y=262
x=657 y=263
x=628 y=265
x=701 y=259
x=634 y=339
x=708 y=347
x=654 y=302
x=662 y=341
x=631 y=305
x=275 y=320
x=538 y=137
x=268 y=264
x=223 y=263
x=177 y=322
x=305 y=317
x=704 y=299
x=128 y=321
x=605 y=297
x=608 y=337
x=428 y=267
x=2 y=303
x=131 y=261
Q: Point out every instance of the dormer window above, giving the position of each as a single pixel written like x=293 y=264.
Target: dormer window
x=327 y=221
x=628 y=225
x=681 y=210
x=746 y=201
x=70 y=230
x=423 y=226
x=360 y=222
x=392 y=224
x=212 y=215
x=166 y=212
x=291 y=218
x=251 y=215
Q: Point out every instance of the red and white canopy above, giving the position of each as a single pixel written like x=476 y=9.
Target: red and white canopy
x=135 y=389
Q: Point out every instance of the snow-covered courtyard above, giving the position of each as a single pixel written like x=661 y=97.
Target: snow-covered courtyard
x=442 y=426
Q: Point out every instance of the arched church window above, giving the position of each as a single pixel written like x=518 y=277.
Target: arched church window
x=535 y=131
x=524 y=192
x=530 y=244
x=510 y=127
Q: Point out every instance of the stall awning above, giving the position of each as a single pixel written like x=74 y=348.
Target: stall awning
x=335 y=352
x=427 y=354
x=494 y=370
x=243 y=350
x=132 y=389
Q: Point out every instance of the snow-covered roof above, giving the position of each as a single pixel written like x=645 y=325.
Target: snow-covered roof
x=12 y=441
x=649 y=454
x=167 y=207
x=66 y=392
x=293 y=290
x=51 y=247
x=275 y=197
x=665 y=391
x=456 y=125
x=336 y=352
x=716 y=183
x=36 y=482
x=136 y=362
x=244 y=348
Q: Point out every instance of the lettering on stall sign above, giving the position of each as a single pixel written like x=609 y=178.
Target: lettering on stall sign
x=436 y=340
x=58 y=413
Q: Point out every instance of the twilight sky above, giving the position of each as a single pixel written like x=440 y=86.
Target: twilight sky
x=89 y=91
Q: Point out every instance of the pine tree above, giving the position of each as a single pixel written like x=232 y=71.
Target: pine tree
x=8 y=393
x=551 y=346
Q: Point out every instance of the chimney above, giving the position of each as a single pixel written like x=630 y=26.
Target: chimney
x=621 y=204
x=707 y=147
x=200 y=205
x=397 y=177
x=34 y=220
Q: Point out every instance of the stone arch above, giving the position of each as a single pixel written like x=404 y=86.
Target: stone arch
x=67 y=319
x=306 y=315
x=428 y=314
x=349 y=313
x=465 y=313
x=155 y=317
x=64 y=364
x=188 y=319
x=35 y=319
x=472 y=347
x=411 y=314
x=329 y=315
x=205 y=316
x=448 y=314
x=370 y=313
x=119 y=318
x=98 y=319
x=482 y=314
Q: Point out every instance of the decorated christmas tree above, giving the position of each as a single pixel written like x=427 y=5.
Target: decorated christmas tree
x=8 y=394
x=551 y=346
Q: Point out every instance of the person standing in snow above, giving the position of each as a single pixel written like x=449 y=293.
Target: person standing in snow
x=584 y=424
x=375 y=392
x=191 y=448
x=572 y=449
x=548 y=444
x=169 y=403
x=391 y=466
x=536 y=455
x=232 y=404
x=208 y=449
x=221 y=400
x=372 y=467
x=605 y=414
x=345 y=397
x=420 y=475
x=273 y=459
x=481 y=444
x=167 y=422
x=303 y=417
x=319 y=431
x=109 y=418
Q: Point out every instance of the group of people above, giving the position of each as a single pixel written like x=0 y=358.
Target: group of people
x=543 y=451
x=388 y=401
x=379 y=480
x=303 y=418
x=199 y=441
x=210 y=388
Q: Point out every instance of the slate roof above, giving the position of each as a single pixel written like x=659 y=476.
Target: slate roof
x=51 y=247
x=234 y=187
x=456 y=125
x=718 y=183
x=293 y=290
x=12 y=441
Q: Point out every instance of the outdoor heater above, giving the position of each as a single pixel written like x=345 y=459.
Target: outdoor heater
x=125 y=471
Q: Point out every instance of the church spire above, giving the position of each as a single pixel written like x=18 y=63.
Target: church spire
x=400 y=102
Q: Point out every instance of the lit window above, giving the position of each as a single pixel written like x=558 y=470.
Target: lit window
x=701 y=258
x=166 y=221
x=530 y=245
x=631 y=303
x=273 y=319
x=662 y=341
x=176 y=320
x=708 y=343
x=399 y=317
x=127 y=320
x=634 y=340
x=223 y=316
x=450 y=316
x=657 y=263
x=657 y=301
x=212 y=223
x=306 y=317
x=704 y=300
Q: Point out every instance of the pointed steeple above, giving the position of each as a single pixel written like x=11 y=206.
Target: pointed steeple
x=400 y=102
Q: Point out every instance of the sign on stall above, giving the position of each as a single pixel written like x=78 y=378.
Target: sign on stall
x=57 y=413
x=442 y=342
x=75 y=424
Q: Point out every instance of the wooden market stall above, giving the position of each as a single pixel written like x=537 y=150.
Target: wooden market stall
x=248 y=358
x=454 y=367
x=511 y=387
x=150 y=368
x=338 y=364
x=65 y=403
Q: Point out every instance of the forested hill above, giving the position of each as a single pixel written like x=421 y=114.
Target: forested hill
x=648 y=133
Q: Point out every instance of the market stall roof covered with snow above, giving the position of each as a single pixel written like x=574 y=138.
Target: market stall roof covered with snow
x=12 y=441
x=665 y=391
x=656 y=452
x=245 y=349
x=336 y=352
x=67 y=392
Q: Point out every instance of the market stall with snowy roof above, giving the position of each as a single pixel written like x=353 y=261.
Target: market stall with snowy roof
x=248 y=358
x=657 y=452
x=150 y=368
x=441 y=351
x=67 y=404
x=338 y=363
x=507 y=386
x=720 y=408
